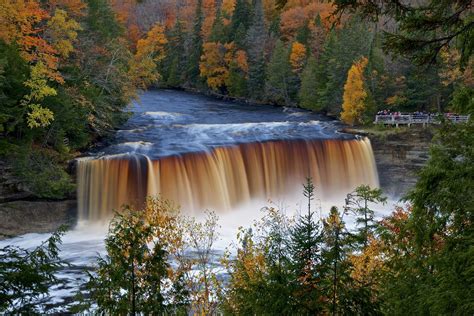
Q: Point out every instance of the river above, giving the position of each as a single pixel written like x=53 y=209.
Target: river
x=206 y=153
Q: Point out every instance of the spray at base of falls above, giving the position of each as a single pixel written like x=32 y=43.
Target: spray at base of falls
x=224 y=177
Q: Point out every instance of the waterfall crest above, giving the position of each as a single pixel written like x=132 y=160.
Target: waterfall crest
x=224 y=177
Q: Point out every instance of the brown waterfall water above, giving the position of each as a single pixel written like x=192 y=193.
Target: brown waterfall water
x=224 y=177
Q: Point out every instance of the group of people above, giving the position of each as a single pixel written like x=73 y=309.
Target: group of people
x=416 y=113
x=388 y=112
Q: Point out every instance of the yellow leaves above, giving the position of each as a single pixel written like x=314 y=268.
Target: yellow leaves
x=354 y=93
x=368 y=264
x=63 y=31
x=214 y=63
x=297 y=57
x=38 y=83
x=39 y=116
x=395 y=100
x=450 y=72
x=39 y=89
x=152 y=46
x=150 y=51
x=228 y=7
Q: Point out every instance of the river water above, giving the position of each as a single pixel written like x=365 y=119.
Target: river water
x=206 y=153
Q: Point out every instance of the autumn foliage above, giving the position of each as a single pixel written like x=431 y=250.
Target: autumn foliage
x=355 y=94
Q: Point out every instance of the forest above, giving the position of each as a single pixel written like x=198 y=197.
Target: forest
x=70 y=68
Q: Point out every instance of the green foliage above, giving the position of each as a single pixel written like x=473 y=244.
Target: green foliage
x=136 y=276
x=292 y=266
x=277 y=76
x=423 y=30
x=26 y=276
x=240 y=23
x=357 y=202
x=43 y=174
x=308 y=97
x=304 y=244
x=341 y=49
x=219 y=30
x=195 y=50
x=13 y=72
x=237 y=84
x=255 y=42
x=463 y=100
x=101 y=20
x=429 y=248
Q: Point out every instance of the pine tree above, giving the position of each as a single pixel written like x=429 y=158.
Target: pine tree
x=218 y=31
x=303 y=34
x=357 y=203
x=336 y=280
x=308 y=96
x=136 y=276
x=195 y=49
x=341 y=49
x=240 y=23
x=27 y=276
x=278 y=72
x=305 y=247
x=255 y=43
x=174 y=63
x=236 y=84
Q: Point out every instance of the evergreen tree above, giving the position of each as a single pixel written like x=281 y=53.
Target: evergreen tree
x=174 y=62
x=101 y=20
x=255 y=43
x=240 y=23
x=136 y=276
x=194 y=51
x=27 y=276
x=303 y=34
x=429 y=248
x=341 y=49
x=308 y=96
x=357 y=203
x=218 y=31
x=343 y=296
x=277 y=76
x=237 y=83
x=305 y=247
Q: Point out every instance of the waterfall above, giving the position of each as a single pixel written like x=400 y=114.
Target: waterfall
x=224 y=177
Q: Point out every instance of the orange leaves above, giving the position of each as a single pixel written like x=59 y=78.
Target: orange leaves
x=354 y=93
x=367 y=264
x=21 y=22
x=297 y=57
x=153 y=44
x=296 y=17
x=216 y=60
x=150 y=50
x=241 y=60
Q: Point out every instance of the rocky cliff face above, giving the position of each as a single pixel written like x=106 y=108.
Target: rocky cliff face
x=22 y=217
x=399 y=156
x=21 y=212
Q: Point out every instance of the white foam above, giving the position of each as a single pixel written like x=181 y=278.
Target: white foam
x=163 y=115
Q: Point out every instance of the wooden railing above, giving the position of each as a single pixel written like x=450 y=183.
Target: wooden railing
x=408 y=119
